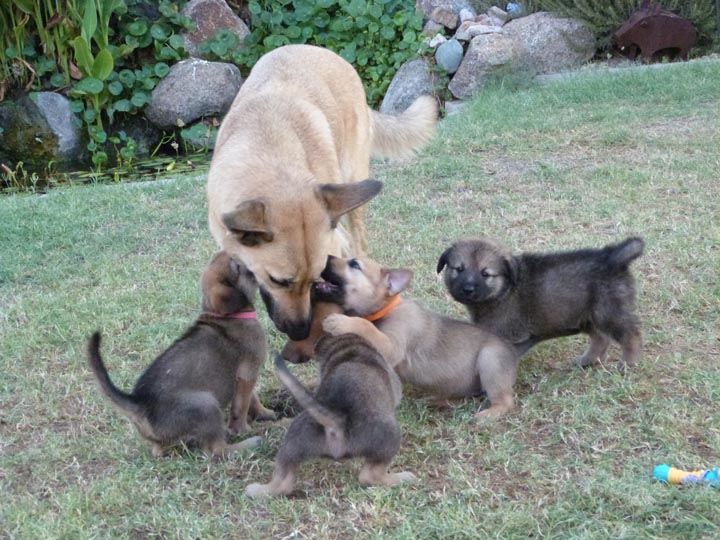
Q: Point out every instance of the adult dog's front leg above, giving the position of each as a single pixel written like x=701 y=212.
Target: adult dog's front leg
x=337 y=324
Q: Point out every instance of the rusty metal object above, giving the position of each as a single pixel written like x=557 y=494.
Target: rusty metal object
x=652 y=29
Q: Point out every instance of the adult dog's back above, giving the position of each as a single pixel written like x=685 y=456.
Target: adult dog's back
x=288 y=163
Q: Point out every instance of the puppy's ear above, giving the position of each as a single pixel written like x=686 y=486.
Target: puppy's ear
x=249 y=222
x=339 y=199
x=443 y=260
x=397 y=280
x=511 y=266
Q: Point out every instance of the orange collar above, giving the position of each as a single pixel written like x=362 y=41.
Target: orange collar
x=387 y=308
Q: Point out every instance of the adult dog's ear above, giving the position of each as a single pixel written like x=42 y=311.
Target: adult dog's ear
x=339 y=199
x=249 y=222
x=443 y=260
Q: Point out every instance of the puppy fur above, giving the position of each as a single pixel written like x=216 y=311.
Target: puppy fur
x=532 y=297
x=351 y=415
x=181 y=396
x=293 y=156
x=448 y=358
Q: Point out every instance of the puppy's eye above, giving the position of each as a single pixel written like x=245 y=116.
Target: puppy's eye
x=459 y=269
x=284 y=283
x=485 y=273
x=353 y=263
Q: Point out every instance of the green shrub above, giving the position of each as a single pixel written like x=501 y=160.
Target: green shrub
x=376 y=36
x=605 y=16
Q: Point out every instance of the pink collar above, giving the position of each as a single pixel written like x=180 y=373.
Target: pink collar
x=239 y=315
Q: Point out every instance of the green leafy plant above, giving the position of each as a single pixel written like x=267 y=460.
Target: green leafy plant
x=376 y=36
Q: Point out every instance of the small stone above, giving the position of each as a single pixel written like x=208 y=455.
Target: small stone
x=479 y=29
x=466 y=15
x=462 y=35
x=445 y=16
x=431 y=28
x=449 y=55
x=439 y=39
x=454 y=107
x=497 y=13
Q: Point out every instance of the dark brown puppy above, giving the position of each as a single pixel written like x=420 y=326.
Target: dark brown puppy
x=351 y=415
x=531 y=297
x=181 y=396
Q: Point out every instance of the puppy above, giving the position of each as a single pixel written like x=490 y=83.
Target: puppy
x=351 y=415
x=448 y=358
x=532 y=297
x=181 y=396
x=292 y=157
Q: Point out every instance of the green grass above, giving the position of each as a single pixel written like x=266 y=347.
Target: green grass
x=580 y=162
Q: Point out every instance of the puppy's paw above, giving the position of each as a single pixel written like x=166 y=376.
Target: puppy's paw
x=337 y=324
x=265 y=415
x=238 y=426
x=255 y=491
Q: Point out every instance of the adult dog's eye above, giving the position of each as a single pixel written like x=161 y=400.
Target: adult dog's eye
x=284 y=283
x=353 y=263
x=485 y=273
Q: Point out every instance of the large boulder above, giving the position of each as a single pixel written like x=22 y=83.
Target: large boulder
x=211 y=16
x=486 y=55
x=194 y=88
x=413 y=79
x=38 y=128
x=554 y=44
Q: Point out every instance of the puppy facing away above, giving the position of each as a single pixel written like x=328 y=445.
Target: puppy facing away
x=181 y=396
x=531 y=297
x=351 y=415
x=443 y=356
x=292 y=157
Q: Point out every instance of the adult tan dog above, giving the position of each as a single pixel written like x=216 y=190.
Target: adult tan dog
x=292 y=156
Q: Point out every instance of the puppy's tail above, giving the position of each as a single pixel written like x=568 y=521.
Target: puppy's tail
x=622 y=254
x=333 y=424
x=402 y=135
x=126 y=403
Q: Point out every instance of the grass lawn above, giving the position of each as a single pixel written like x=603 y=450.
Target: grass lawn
x=580 y=162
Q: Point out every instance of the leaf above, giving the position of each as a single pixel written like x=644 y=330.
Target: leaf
x=103 y=65
x=122 y=105
x=115 y=88
x=89 y=85
x=161 y=69
x=127 y=77
x=89 y=21
x=83 y=56
x=137 y=28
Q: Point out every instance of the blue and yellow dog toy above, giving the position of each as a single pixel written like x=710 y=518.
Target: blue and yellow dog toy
x=671 y=475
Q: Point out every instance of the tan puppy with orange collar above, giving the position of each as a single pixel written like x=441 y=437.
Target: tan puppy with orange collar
x=443 y=356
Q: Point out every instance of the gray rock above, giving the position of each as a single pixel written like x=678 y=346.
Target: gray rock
x=486 y=55
x=467 y=14
x=39 y=128
x=449 y=55
x=498 y=15
x=439 y=39
x=210 y=16
x=478 y=29
x=145 y=135
x=454 y=107
x=412 y=80
x=427 y=6
x=554 y=44
x=445 y=16
x=431 y=28
x=194 y=88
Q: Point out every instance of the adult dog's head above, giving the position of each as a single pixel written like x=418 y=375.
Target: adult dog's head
x=284 y=239
x=477 y=270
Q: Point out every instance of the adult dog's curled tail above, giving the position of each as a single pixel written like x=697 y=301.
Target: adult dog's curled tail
x=402 y=135
x=622 y=254
x=126 y=403
x=333 y=424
